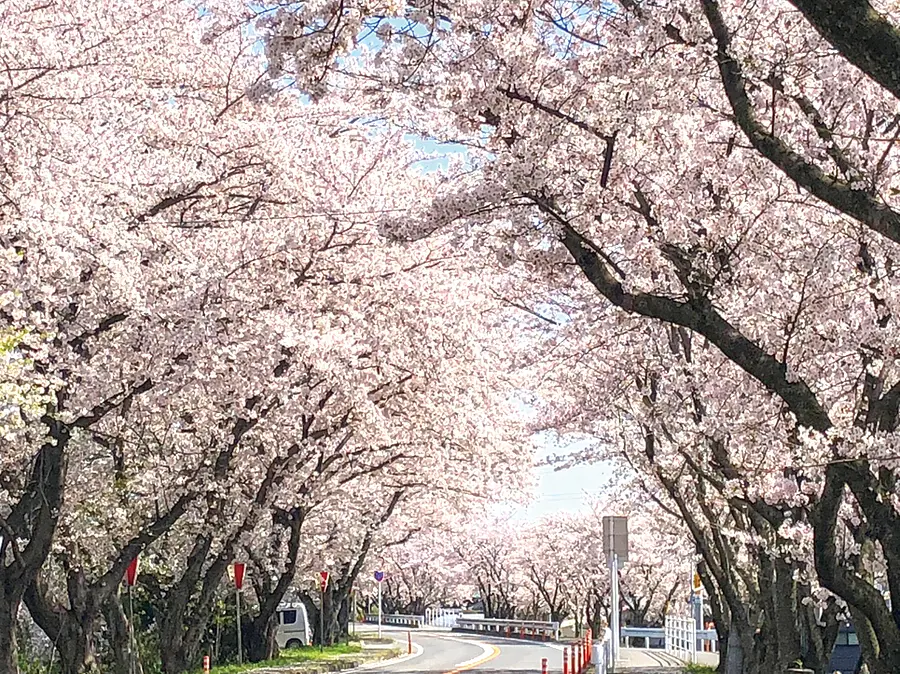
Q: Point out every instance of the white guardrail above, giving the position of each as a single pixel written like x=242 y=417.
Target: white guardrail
x=397 y=619
x=523 y=629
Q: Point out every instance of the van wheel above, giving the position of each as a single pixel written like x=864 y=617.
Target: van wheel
x=293 y=643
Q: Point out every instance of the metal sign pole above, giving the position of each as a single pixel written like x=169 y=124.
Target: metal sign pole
x=614 y=608
x=240 y=646
x=379 y=610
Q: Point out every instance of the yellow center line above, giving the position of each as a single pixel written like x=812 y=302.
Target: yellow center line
x=477 y=663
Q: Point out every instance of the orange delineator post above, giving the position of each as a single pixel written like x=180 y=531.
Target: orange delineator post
x=572 y=660
x=566 y=661
x=543 y=665
x=409 y=643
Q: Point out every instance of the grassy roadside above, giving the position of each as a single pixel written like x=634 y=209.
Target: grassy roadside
x=310 y=659
x=694 y=668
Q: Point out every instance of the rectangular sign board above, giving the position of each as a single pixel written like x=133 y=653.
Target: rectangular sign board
x=615 y=537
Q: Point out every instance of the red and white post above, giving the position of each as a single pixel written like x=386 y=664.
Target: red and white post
x=543 y=665
x=566 y=661
x=205 y=664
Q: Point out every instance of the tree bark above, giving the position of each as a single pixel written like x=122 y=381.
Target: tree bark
x=33 y=518
x=862 y=36
x=261 y=642
x=124 y=656
x=9 y=608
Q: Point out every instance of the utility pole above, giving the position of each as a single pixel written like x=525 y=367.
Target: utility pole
x=615 y=547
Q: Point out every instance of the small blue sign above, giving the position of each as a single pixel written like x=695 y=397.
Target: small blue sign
x=379 y=576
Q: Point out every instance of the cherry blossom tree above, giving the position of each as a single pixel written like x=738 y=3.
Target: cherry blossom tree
x=426 y=572
x=672 y=150
x=198 y=300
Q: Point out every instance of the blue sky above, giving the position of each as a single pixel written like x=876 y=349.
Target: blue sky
x=563 y=490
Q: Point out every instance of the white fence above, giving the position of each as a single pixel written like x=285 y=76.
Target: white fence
x=442 y=617
x=681 y=638
x=523 y=629
x=397 y=619
x=655 y=637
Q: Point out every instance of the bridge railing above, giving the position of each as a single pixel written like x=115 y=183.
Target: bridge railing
x=442 y=617
x=397 y=619
x=523 y=629
x=655 y=637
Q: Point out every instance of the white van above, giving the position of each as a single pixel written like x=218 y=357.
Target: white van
x=293 y=626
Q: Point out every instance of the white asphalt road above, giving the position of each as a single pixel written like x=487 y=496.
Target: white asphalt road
x=441 y=652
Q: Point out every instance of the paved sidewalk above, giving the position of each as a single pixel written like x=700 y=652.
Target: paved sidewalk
x=654 y=661
x=642 y=658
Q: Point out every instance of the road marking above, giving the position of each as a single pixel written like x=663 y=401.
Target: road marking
x=489 y=652
x=417 y=651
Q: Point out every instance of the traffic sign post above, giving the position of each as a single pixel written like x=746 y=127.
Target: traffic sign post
x=238 y=569
x=130 y=580
x=615 y=547
x=323 y=580
x=379 y=577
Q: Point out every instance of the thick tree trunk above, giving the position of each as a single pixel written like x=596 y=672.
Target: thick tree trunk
x=124 y=656
x=260 y=639
x=261 y=643
x=76 y=645
x=337 y=615
x=734 y=662
x=70 y=629
x=181 y=631
x=9 y=608
x=33 y=518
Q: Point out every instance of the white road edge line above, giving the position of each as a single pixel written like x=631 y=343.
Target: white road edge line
x=486 y=650
x=417 y=651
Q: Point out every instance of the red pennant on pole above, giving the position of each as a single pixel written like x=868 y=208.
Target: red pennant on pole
x=239 y=574
x=131 y=572
x=324 y=576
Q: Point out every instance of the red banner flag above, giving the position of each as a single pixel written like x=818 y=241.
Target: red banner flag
x=131 y=572
x=239 y=574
